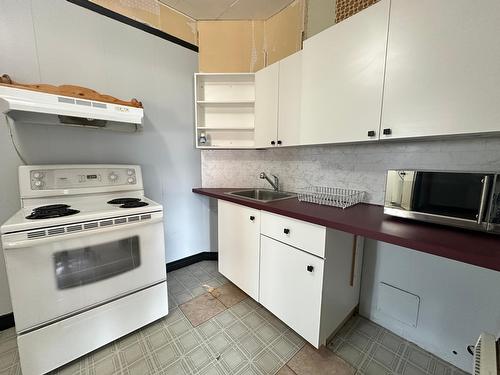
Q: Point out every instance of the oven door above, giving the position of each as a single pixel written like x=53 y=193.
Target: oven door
x=54 y=278
x=454 y=198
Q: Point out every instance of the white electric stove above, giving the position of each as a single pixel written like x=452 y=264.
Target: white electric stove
x=85 y=261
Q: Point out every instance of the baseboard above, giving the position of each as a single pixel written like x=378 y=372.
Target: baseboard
x=6 y=321
x=184 y=262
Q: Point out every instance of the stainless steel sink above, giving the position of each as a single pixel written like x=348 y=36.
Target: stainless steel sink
x=262 y=195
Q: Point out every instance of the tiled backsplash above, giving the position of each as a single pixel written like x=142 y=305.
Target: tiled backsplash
x=361 y=166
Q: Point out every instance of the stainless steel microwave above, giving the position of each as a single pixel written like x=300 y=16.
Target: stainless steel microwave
x=463 y=199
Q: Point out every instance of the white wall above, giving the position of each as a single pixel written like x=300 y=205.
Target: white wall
x=457 y=300
x=58 y=42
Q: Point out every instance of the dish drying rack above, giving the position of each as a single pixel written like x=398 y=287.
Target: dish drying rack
x=331 y=196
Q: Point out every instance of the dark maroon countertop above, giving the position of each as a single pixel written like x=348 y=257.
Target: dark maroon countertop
x=368 y=220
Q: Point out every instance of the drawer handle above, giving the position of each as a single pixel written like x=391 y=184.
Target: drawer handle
x=252 y=218
x=310 y=268
x=286 y=231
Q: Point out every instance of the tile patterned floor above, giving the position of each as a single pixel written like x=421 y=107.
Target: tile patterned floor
x=238 y=337
x=373 y=350
x=192 y=281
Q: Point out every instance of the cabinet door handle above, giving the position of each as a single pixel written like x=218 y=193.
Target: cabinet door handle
x=310 y=268
x=286 y=231
x=252 y=218
x=371 y=133
x=273 y=143
x=279 y=142
x=387 y=131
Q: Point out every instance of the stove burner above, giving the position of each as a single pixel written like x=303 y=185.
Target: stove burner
x=51 y=211
x=123 y=200
x=134 y=204
x=51 y=207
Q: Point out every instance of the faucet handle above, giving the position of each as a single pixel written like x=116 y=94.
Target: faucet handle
x=276 y=182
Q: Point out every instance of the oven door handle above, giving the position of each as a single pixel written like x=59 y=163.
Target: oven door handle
x=11 y=244
x=484 y=198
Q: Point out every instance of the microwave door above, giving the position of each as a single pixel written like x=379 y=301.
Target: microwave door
x=462 y=196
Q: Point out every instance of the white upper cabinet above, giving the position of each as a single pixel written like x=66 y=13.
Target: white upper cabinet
x=266 y=106
x=342 y=79
x=443 y=68
x=277 y=107
x=290 y=88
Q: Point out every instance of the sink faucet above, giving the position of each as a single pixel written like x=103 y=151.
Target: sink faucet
x=275 y=184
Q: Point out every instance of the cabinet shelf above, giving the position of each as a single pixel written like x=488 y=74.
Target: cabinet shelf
x=235 y=103
x=225 y=110
x=226 y=147
x=222 y=128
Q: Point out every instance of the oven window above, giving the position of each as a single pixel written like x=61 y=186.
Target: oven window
x=448 y=194
x=90 y=264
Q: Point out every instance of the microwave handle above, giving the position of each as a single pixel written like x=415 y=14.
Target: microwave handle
x=484 y=199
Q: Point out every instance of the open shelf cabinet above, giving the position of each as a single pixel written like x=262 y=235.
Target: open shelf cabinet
x=224 y=110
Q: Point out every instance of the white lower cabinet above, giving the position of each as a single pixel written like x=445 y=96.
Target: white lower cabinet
x=313 y=295
x=305 y=274
x=291 y=281
x=239 y=232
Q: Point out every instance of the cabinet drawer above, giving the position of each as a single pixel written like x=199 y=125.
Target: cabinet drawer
x=305 y=236
x=291 y=283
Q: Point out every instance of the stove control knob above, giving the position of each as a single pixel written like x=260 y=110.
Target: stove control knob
x=38 y=184
x=131 y=180
x=37 y=175
x=130 y=172
x=113 y=176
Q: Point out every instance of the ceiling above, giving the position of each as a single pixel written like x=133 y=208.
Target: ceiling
x=228 y=9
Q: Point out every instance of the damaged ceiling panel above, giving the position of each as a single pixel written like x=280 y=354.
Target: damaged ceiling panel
x=228 y=9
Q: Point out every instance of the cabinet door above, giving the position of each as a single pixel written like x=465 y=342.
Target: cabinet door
x=443 y=68
x=266 y=106
x=239 y=231
x=289 y=290
x=290 y=89
x=342 y=80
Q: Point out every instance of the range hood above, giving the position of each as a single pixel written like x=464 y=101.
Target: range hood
x=38 y=107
